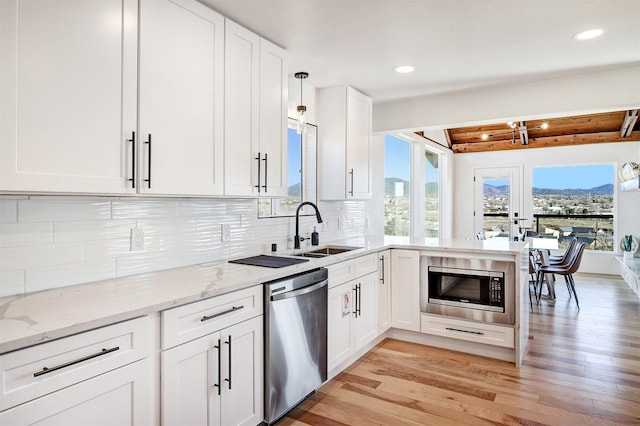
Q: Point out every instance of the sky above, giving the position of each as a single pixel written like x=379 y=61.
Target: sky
x=573 y=177
x=397 y=160
x=295 y=151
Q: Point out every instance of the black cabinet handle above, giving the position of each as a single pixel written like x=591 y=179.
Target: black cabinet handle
x=228 y=311
x=229 y=379
x=258 y=185
x=265 y=172
x=148 y=180
x=359 y=301
x=351 y=190
x=47 y=370
x=465 y=331
x=217 y=385
x=382 y=268
x=133 y=159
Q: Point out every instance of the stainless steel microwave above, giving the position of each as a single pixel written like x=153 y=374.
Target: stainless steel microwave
x=470 y=289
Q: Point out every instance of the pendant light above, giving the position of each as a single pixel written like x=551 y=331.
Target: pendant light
x=301 y=126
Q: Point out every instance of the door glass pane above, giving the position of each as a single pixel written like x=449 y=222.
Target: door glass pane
x=397 y=185
x=495 y=207
x=431 y=195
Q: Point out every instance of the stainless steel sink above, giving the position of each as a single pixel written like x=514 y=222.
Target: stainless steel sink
x=326 y=251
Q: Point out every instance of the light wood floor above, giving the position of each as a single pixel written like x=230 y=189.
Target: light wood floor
x=581 y=368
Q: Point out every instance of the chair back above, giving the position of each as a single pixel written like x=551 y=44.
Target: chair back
x=568 y=253
x=574 y=264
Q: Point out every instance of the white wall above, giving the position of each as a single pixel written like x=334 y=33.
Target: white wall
x=605 y=90
x=627 y=204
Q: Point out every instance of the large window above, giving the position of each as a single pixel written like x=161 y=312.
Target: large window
x=412 y=188
x=431 y=194
x=575 y=201
x=397 y=186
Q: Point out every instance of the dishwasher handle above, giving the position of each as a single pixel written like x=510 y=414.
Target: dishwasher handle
x=300 y=291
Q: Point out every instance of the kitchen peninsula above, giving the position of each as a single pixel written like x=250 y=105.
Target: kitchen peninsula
x=147 y=303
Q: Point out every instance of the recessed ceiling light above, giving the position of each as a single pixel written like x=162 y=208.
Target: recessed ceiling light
x=589 y=34
x=403 y=69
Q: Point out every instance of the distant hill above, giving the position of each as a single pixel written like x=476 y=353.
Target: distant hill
x=430 y=189
x=598 y=190
x=294 y=190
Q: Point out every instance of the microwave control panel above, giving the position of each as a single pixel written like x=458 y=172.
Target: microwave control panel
x=496 y=290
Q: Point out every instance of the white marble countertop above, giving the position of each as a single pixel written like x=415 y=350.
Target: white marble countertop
x=34 y=318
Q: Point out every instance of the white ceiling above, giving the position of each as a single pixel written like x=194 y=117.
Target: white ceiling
x=454 y=44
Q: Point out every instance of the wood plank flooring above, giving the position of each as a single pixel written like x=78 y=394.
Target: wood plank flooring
x=581 y=368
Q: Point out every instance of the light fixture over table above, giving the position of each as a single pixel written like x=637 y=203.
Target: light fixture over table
x=301 y=126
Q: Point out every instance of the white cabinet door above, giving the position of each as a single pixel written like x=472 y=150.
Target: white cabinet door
x=358 y=145
x=256 y=96
x=365 y=322
x=181 y=98
x=384 y=291
x=68 y=78
x=190 y=383
x=242 y=369
x=242 y=81
x=210 y=381
x=274 y=89
x=405 y=289
x=339 y=312
x=119 y=397
x=344 y=115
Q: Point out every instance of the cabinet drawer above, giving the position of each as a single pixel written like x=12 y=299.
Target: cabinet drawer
x=365 y=265
x=340 y=273
x=197 y=319
x=348 y=270
x=38 y=370
x=468 y=330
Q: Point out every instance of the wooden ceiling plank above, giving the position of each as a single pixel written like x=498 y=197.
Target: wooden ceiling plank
x=547 y=142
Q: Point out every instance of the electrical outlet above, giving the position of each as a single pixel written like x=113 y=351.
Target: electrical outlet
x=226 y=232
x=137 y=239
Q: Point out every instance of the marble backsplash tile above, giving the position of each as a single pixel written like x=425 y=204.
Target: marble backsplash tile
x=55 y=241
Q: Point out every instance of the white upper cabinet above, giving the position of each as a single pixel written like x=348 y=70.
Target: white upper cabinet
x=344 y=115
x=256 y=93
x=181 y=98
x=68 y=81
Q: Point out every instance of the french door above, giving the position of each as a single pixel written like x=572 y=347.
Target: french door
x=497 y=203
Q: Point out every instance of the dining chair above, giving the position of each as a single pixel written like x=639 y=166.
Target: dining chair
x=564 y=257
x=567 y=270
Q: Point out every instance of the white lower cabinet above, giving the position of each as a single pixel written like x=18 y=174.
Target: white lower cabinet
x=471 y=331
x=405 y=289
x=119 y=397
x=384 y=291
x=216 y=379
x=100 y=377
x=352 y=318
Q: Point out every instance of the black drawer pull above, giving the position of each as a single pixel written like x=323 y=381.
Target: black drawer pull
x=465 y=331
x=228 y=311
x=46 y=370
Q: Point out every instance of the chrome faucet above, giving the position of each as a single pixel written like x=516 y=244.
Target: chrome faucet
x=298 y=238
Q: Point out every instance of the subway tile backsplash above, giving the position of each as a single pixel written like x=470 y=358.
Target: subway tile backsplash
x=56 y=241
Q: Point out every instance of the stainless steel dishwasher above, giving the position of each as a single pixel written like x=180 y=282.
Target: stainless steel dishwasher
x=295 y=340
